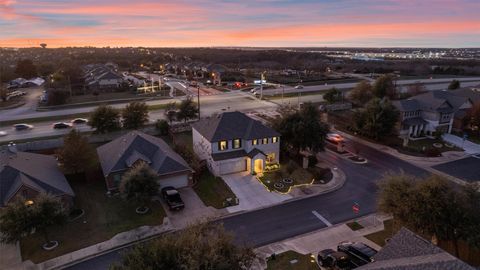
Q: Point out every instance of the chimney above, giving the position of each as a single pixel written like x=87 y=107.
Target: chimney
x=12 y=148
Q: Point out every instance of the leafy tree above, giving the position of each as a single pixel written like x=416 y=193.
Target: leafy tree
x=48 y=212
x=135 y=115
x=105 y=119
x=45 y=69
x=454 y=84
x=162 y=127
x=26 y=69
x=187 y=110
x=378 y=119
x=333 y=95
x=199 y=246
x=303 y=129
x=140 y=184
x=473 y=117
x=170 y=112
x=362 y=93
x=384 y=86
x=57 y=97
x=15 y=221
x=77 y=155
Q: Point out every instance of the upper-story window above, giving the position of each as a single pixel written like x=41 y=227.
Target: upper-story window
x=222 y=145
x=265 y=141
x=237 y=143
x=274 y=139
x=254 y=142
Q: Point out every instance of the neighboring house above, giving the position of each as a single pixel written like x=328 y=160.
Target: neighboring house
x=408 y=251
x=28 y=174
x=431 y=112
x=233 y=142
x=121 y=154
x=101 y=77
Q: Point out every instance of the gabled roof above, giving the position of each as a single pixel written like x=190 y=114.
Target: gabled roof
x=408 y=251
x=440 y=101
x=233 y=125
x=39 y=172
x=121 y=153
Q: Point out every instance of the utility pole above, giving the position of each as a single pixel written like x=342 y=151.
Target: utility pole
x=198 y=98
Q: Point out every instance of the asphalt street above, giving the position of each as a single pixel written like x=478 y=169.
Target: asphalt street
x=293 y=218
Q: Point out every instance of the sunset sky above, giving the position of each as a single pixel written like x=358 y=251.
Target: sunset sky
x=306 y=23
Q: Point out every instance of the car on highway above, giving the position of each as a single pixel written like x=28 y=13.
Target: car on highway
x=61 y=125
x=22 y=126
x=172 y=198
x=3 y=133
x=299 y=87
x=334 y=260
x=79 y=121
x=358 y=252
x=334 y=137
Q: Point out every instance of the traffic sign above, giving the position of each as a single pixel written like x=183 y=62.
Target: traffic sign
x=356 y=207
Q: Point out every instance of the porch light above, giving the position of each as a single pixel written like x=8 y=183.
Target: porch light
x=28 y=203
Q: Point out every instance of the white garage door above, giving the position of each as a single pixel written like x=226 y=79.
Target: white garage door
x=177 y=181
x=237 y=165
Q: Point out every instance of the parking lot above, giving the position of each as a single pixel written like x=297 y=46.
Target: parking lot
x=467 y=169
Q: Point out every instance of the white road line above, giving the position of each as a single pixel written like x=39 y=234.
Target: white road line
x=324 y=220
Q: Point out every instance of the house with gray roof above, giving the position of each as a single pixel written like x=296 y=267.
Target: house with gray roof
x=408 y=251
x=233 y=142
x=102 y=77
x=425 y=114
x=27 y=175
x=121 y=154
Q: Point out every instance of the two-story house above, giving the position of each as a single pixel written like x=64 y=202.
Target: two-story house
x=233 y=142
x=427 y=113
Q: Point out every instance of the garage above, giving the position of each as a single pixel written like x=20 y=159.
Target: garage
x=176 y=181
x=232 y=166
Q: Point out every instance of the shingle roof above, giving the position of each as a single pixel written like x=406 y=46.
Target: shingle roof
x=121 y=153
x=39 y=172
x=408 y=251
x=233 y=125
x=229 y=155
x=441 y=101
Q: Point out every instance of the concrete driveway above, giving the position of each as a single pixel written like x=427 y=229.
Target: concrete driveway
x=194 y=209
x=251 y=193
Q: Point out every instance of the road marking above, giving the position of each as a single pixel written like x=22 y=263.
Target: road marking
x=324 y=220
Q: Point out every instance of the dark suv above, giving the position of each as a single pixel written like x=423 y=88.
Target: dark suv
x=359 y=253
x=335 y=260
x=172 y=198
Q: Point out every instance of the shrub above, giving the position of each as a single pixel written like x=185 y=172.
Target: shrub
x=162 y=126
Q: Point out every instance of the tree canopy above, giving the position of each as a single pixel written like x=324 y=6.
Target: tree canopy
x=333 y=95
x=187 y=110
x=377 y=119
x=105 y=119
x=454 y=84
x=77 y=154
x=135 y=115
x=26 y=69
x=362 y=93
x=384 y=86
x=139 y=184
x=199 y=246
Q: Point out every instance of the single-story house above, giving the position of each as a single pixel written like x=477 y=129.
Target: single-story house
x=27 y=175
x=233 y=142
x=121 y=154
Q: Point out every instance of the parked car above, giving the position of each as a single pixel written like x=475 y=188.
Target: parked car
x=3 y=133
x=359 y=253
x=61 y=125
x=334 y=138
x=335 y=260
x=299 y=87
x=79 y=121
x=172 y=198
x=22 y=126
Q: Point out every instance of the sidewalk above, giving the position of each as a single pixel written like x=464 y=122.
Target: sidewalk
x=468 y=146
x=312 y=243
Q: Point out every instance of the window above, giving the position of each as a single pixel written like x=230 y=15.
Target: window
x=274 y=139
x=265 y=141
x=237 y=143
x=222 y=145
x=271 y=157
x=254 y=142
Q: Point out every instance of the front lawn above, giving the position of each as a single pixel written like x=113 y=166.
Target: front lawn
x=379 y=237
x=354 y=226
x=292 y=174
x=104 y=217
x=424 y=147
x=291 y=260
x=213 y=190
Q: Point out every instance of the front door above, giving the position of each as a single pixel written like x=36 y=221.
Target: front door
x=258 y=166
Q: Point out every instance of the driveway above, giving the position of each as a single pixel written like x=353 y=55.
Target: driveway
x=194 y=209
x=468 y=146
x=251 y=193
x=467 y=169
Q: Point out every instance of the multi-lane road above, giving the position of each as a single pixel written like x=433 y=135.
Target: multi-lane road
x=268 y=225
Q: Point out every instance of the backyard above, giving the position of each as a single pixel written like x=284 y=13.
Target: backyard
x=104 y=217
x=291 y=260
x=213 y=191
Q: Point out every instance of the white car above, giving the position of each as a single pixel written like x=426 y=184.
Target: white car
x=334 y=138
x=3 y=133
x=299 y=87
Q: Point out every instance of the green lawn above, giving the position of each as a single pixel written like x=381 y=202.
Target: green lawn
x=286 y=261
x=104 y=217
x=355 y=226
x=380 y=237
x=424 y=147
x=212 y=190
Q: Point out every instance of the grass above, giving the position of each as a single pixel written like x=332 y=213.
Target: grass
x=424 y=147
x=212 y=190
x=380 y=237
x=354 y=226
x=283 y=261
x=104 y=217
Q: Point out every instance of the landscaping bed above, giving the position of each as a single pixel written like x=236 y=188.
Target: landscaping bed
x=104 y=217
x=291 y=260
x=426 y=148
x=213 y=191
x=354 y=226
